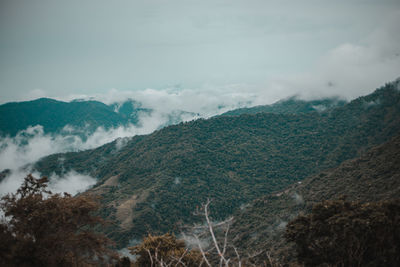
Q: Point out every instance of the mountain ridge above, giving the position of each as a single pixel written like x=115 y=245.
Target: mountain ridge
x=291 y=105
x=54 y=115
x=160 y=178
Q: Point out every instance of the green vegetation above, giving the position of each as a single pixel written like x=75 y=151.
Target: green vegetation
x=373 y=177
x=155 y=182
x=291 y=106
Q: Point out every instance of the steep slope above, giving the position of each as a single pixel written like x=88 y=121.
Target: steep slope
x=291 y=106
x=53 y=115
x=155 y=182
x=374 y=176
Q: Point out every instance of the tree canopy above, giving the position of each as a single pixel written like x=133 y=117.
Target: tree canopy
x=341 y=233
x=40 y=228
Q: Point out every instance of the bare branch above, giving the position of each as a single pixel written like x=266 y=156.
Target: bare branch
x=238 y=257
x=271 y=262
x=225 y=240
x=223 y=222
x=180 y=259
x=151 y=257
x=210 y=228
x=202 y=251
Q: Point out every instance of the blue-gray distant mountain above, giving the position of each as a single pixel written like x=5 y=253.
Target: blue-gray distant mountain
x=83 y=116
x=54 y=115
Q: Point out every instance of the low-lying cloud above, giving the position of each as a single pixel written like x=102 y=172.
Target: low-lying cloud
x=18 y=153
x=71 y=182
x=349 y=69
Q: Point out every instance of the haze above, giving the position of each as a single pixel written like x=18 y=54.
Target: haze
x=270 y=49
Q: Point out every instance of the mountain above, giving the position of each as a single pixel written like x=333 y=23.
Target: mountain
x=155 y=182
x=292 y=105
x=129 y=109
x=54 y=115
x=374 y=176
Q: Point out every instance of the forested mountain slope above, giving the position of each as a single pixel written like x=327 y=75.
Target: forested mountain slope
x=291 y=105
x=155 y=182
x=374 y=176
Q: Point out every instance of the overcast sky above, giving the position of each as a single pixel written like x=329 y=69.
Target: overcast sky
x=263 y=48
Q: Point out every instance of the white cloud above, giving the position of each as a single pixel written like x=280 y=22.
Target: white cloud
x=139 y=44
x=353 y=69
x=13 y=181
x=28 y=146
x=36 y=93
x=31 y=144
x=298 y=199
x=348 y=70
x=177 y=180
x=194 y=243
x=71 y=182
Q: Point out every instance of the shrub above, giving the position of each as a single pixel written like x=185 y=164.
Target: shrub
x=45 y=229
x=340 y=233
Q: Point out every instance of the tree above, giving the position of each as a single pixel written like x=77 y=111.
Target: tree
x=210 y=238
x=164 y=250
x=40 y=228
x=340 y=233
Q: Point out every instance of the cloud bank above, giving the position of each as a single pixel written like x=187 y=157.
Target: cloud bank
x=71 y=182
x=348 y=70
x=18 y=153
x=83 y=47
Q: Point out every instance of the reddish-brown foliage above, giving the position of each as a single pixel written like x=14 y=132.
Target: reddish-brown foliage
x=45 y=229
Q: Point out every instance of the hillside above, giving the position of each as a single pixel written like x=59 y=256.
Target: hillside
x=374 y=176
x=54 y=115
x=291 y=105
x=155 y=182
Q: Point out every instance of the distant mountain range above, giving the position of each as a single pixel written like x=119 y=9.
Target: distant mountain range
x=54 y=115
x=154 y=182
x=292 y=105
x=80 y=116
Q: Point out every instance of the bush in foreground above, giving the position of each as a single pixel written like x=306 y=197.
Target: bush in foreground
x=340 y=233
x=44 y=229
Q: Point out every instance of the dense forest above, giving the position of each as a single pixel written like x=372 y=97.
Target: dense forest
x=155 y=182
x=291 y=105
x=266 y=186
x=373 y=177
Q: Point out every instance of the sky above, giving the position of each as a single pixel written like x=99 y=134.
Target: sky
x=262 y=50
